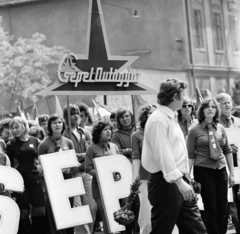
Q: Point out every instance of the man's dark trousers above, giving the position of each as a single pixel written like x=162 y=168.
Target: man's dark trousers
x=169 y=208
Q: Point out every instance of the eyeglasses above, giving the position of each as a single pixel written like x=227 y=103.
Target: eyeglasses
x=184 y=106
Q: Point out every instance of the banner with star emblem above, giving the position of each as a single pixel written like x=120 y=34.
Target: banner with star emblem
x=97 y=72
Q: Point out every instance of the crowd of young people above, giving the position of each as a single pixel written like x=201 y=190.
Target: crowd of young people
x=171 y=140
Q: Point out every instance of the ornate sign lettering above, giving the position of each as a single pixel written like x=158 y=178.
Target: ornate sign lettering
x=68 y=72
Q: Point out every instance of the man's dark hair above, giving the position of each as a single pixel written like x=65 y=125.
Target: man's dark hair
x=52 y=118
x=42 y=118
x=168 y=89
x=72 y=108
x=83 y=107
x=120 y=112
x=97 y=129
x=113 y=115
x=4 y=124
x=204 y=105
x=144 y=112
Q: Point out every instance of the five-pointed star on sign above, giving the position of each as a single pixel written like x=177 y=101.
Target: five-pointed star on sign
x=98 y=52
x=97 y=56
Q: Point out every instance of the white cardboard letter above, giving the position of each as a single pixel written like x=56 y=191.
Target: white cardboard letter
x=60 y=190
x=9 y=211
x=111 y=191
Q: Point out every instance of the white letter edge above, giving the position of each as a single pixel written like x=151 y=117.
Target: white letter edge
x=111 y=191
x=9 y=210
x=60 y=190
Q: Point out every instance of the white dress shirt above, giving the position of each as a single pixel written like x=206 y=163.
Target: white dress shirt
x=164 y=147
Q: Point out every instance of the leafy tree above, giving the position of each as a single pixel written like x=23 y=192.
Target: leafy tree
x=236 y=91
x=24 y=64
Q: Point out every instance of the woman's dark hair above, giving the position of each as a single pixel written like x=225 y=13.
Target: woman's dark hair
x=204 y=105
x=236 y=111
x=168 y=89
x=144 y=112
x=97 y=129
x=186 y=101
x=52 y=118
x=120 y=113
x=72 y=108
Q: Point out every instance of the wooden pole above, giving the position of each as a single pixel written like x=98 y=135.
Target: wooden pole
x=133 y=109
x=69 y=116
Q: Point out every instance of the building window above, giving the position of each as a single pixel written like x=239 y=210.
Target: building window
x=198 y=28
x=233 y=21
x=217 y=26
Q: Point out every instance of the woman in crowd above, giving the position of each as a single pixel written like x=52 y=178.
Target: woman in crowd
x=43 y=122
x=102 y=132
x=37 y=132
x=209 y=152
x=186 y=116
x=53 y=143
x=23 y=153
x=144 y=219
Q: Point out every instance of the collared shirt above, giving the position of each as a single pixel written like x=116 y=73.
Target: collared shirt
x=184 y=126
x=96 y=150
x=235 y=121
x=164 y=147
x=198 y=146
x=79 y=145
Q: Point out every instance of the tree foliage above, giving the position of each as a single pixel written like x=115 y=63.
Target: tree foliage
x=24 y=64
x=236 y=92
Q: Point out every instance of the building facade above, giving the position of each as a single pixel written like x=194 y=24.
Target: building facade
x=193 y=40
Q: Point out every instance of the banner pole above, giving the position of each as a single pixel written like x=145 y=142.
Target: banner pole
x=69 y=121
x=133 y=110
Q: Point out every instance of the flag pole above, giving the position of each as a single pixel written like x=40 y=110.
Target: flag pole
x=69 y=121
x=133 y=109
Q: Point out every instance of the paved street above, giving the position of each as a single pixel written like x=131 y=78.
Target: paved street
x=231 y=230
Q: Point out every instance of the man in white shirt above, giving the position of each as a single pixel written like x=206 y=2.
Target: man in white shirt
x=165 y=156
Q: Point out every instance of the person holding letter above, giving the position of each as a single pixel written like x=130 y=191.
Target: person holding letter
x=101 y=146
x=56 y=142
x=165 y=156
